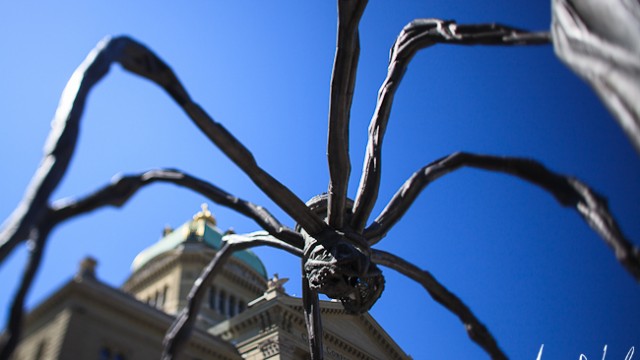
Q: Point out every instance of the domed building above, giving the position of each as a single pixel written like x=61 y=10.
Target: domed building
x=247 y=315
x=162 y=274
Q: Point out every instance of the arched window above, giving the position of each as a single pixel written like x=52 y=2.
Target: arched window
x=241 y=306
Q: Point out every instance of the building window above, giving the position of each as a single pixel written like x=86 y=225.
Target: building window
x=42 y=346
x=212 y=298
x=160 y=297
x=105 y=354
x=165 y=290
x=241 y=306
x=222 y=302
x=232 y=306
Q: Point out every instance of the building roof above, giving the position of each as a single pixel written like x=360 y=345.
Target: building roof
x=98 y=309
x=202 y=229
x=281 y=327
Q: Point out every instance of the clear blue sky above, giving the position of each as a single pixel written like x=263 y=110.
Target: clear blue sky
x=532 y=271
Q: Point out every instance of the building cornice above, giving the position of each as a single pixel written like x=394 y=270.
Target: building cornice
x=285 y=313
x=99 y=294
x=154 y=270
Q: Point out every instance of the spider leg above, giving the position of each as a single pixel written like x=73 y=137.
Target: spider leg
x=58 y=150
x=568 y=192
x=140 y=60
x=418 y=35
x=178 y=333
x=475 y=329
x=312 y=318
x=121 y=189
x=13 y=329
x=63 y=137
x=342 y=84
x=586 y=38
x=116 y=194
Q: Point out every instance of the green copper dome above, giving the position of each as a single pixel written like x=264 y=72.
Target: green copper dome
x=202 y=229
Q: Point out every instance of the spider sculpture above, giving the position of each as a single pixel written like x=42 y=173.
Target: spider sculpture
x=333 y=236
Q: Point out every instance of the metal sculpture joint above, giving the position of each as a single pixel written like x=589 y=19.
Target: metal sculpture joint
x=333 y=236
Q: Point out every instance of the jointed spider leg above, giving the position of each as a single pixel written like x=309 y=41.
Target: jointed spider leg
x=568 y=191
x=121 y=189
x=30 y=214
x=178 y=334
x=312 y=318
x=58 y=149
x=598 y=41
x=475 y=329
x=418 y=35
x=116 y=194
x=13 y=329
x=140 y=60
x=342 y=85
x=65 y=128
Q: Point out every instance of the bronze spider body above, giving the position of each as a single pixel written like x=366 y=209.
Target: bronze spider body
x=333 y=236
x=338 y=264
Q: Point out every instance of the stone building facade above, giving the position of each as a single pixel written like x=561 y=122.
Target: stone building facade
x=246 y=316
